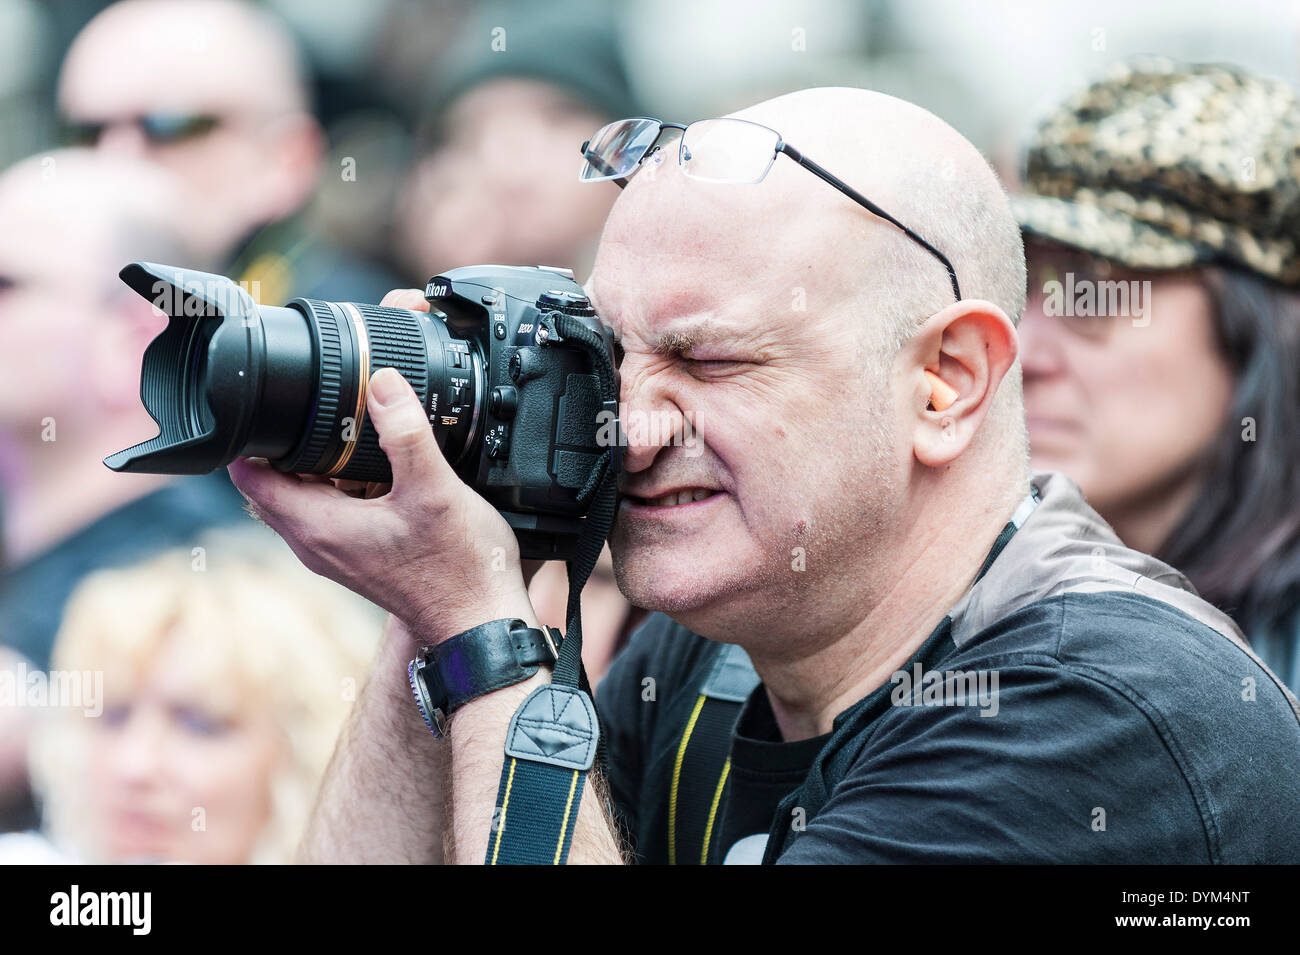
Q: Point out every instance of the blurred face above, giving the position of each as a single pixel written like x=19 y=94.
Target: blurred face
x=180 y=777
x=199 y=99
x=503 y=185
x=47 y=340
x=791 y=452
x=1125 y=402
x=71 y=337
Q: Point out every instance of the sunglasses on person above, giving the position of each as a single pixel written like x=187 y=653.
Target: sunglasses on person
x=160 y=129
x=717 y=150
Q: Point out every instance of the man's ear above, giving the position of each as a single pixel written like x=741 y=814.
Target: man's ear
x=966 y=349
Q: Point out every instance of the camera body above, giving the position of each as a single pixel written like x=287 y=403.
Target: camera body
x=517 y=374
x=544 y=423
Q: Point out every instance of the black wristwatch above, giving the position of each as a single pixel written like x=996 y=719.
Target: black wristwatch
x=486 y=658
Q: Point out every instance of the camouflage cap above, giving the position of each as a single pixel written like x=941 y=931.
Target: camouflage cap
x=1161 y=166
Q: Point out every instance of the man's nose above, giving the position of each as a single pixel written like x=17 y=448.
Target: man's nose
x=651 y=417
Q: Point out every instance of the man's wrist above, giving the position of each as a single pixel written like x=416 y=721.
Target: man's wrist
x=480 y=661
x=450 y=620
x=497 y=707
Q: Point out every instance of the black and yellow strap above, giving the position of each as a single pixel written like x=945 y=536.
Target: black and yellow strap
x=550 y=746
x=554 y=737
x=703 y=761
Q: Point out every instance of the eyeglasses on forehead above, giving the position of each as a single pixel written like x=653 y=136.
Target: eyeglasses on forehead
x=718 y=150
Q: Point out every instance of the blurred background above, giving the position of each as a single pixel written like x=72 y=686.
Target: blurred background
x=382 y=77
x=338 y=150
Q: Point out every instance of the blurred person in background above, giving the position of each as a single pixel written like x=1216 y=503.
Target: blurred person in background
x=72 y=338
x=71 y=342
x=1176 y=412
x=519 y=93
x=500 y=184
x=225 y=683
x=216 y=92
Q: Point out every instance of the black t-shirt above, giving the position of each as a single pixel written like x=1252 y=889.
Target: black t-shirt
x=1119 y=730
x=33 y=594
x=763 y=771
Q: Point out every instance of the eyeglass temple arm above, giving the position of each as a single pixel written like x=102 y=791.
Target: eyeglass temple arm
x=862 y=200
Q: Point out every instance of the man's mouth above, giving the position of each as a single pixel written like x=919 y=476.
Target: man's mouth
x=674 y=498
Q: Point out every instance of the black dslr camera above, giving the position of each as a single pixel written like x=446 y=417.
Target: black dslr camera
x=517 y=375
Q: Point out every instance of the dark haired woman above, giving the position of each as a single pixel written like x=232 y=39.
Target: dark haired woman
x=1161 y=342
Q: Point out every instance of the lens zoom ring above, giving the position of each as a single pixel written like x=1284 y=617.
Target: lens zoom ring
x=324 y=427
x=396 y=341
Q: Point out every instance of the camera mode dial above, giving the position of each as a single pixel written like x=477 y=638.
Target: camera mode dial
x=571 y=303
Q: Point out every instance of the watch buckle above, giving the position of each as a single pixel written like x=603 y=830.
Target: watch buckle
x=553 y=639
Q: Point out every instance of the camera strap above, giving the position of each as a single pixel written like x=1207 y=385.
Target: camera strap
x=554 y=737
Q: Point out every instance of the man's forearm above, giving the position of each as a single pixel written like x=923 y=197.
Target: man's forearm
x=478 y=742
x=391 y=787
x=382 y=797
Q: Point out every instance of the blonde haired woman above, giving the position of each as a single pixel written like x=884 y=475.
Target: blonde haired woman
x=227 y=673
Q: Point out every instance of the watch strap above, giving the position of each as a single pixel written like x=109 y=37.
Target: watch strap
x=488 y=657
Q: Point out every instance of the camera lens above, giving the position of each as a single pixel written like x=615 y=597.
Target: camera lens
x=228 y=378
x=352 y=342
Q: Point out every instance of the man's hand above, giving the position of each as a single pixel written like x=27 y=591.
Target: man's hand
x=441 y=560
x=431 y=551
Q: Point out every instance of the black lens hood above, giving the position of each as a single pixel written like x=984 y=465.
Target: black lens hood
x=202 y=376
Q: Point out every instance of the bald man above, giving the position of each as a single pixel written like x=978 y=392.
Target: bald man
x=216 y=92
x=71 y=341
x=953 y=660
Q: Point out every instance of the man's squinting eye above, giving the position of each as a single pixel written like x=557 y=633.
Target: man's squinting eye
x=711 y=365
